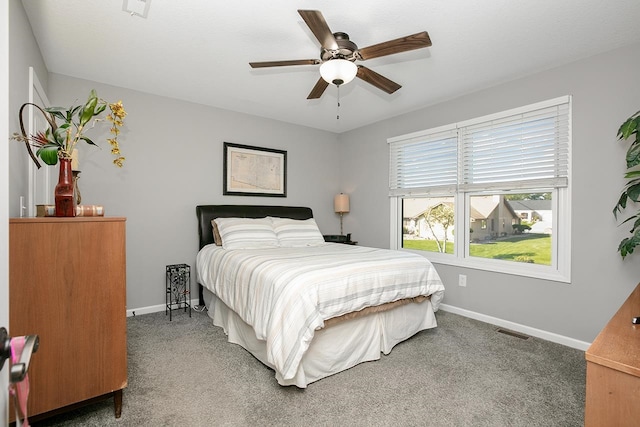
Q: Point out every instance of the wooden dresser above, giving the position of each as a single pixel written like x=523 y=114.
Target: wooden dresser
x=613 y=370
x=67 y=284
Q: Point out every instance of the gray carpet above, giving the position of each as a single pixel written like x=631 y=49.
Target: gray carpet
x=462 y=373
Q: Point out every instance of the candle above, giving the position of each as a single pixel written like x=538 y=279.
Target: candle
x=75 y=163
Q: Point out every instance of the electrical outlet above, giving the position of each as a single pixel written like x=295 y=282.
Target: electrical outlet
x=462 y=280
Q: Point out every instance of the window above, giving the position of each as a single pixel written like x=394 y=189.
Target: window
x=520 y=241
x=489 y=193
x=427 y=224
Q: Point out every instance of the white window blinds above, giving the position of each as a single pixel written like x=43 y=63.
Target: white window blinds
x=522 y=148
x=424 y=162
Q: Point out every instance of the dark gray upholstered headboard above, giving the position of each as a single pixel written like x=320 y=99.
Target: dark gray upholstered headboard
x=206 y=213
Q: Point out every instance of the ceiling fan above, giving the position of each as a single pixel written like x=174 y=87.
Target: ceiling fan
x=338 y=55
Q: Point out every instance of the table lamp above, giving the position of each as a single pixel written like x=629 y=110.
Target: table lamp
x=341 y=206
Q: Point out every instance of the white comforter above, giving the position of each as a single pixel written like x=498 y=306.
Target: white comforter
x=286 y=294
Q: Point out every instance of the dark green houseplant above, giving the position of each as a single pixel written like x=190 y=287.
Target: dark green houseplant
x=630 y=129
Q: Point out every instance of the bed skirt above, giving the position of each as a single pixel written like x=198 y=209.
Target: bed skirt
x=337 y=347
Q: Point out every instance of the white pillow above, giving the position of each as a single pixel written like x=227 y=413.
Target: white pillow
x=296 y=233
x=246 y=233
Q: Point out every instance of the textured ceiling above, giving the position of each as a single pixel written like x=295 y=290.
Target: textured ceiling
x=199 y=50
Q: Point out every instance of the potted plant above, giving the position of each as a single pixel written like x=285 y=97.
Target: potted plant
x=58 y=142
x=630 y=130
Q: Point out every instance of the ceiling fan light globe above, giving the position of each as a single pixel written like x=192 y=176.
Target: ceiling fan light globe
x=338 y=71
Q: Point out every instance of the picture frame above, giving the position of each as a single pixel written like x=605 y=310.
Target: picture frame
x=254 y=171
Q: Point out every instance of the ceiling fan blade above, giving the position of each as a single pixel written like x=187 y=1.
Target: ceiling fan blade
x=284 y=63
x=377 y=80
x=318 y=89
x=403 y=44
x=318 y=26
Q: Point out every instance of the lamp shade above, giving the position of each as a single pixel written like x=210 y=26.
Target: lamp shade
x=338 y=71
x=341 y=203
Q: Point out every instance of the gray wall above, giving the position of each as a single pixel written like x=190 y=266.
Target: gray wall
x=23 y=53
x=605 y=92
x=173 y=153
x=174 y=162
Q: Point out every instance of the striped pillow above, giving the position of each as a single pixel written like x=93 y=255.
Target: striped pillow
x=246 y=233
x=296 y=233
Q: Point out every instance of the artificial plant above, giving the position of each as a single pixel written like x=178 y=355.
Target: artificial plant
x=630 y=130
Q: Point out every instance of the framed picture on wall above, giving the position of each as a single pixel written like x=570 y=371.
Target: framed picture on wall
x=254 y=171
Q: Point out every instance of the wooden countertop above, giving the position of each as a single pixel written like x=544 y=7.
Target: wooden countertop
x=618 y=344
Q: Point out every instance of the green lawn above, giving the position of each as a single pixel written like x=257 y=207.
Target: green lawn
x=530 y=246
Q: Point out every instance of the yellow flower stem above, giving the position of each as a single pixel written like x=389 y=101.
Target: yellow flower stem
x=71 y=143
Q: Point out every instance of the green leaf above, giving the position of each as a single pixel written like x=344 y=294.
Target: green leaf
x=633 y=192
x=88 y=141
x=50 y=138
x=621 y=205
x=71 y=112
x=49 y=154
x=623 y=247
x=100 y=108
x=636 y=216
x=56 y=113
x=628 y=128
x=631 y=183
x=89 y=110
x=54 y=109
x=633 y=155
x=627 y=220
x=628 y=244
x=60 y=134
x=632 y=174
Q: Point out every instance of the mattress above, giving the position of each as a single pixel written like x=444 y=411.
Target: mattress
x=285 y=295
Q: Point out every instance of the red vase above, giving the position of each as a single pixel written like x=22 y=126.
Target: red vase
x=65 y=199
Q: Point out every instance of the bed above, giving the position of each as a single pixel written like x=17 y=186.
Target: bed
x=303 y=307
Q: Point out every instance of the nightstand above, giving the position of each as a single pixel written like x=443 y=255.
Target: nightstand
x=339 y=238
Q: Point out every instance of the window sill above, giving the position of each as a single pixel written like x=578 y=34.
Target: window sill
x=543 y=272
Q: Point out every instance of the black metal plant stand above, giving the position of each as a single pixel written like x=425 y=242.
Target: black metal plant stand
x=178 y=288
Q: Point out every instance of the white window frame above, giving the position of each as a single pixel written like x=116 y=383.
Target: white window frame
x=560 y=268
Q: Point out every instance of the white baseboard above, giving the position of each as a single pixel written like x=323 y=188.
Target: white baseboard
x=538 y=333
x=153 y=309
x=516 y=327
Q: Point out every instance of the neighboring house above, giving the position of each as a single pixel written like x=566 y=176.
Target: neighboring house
x=414 y=224
x=532 y=210
x=536 y=212
x=491 y=217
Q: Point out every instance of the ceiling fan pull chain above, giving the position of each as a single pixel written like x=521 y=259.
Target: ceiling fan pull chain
x=338 y=107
